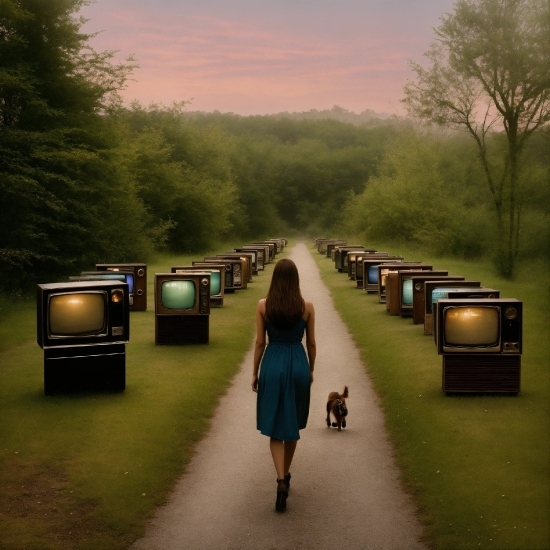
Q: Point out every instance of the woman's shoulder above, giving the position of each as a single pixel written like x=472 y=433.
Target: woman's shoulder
x=308 y=309
x=261 y=304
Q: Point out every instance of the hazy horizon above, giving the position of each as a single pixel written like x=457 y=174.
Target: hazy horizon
x=267 y=57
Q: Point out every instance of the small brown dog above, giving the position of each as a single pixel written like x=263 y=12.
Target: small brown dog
x=336 y=404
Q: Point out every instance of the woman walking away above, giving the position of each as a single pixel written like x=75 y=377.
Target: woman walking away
x=286 y=373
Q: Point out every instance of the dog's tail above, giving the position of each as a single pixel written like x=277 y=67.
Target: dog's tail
x=345 y=394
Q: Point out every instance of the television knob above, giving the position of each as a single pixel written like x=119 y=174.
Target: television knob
x=117 y=296
x=418 y=286
x=140 y=272
x=511 y=347
x=204 y=282
x=511 y=313
x=139 y=292
x=228 y=267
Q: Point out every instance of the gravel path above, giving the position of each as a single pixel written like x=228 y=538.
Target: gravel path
x=344 y=491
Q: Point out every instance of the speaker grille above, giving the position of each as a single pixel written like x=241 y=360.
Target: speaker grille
x=482 y=374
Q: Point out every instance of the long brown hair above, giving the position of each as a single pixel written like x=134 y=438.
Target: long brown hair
x=284 y=303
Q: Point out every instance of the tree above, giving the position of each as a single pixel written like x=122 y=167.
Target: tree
x=57 y=170
x=489 y=74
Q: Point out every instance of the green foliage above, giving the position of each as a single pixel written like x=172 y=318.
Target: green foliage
x=184 y=178
x=489 y=70
x=61 y=191
x=296 y=172
x=412 y=200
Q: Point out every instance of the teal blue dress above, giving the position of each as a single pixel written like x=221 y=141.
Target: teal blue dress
x=282 y=406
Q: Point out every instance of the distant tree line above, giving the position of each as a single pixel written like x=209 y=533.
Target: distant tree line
x=86 y=179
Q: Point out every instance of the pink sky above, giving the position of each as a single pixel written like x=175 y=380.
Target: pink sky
x=261 y=56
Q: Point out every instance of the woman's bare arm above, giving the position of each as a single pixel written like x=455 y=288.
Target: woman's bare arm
x=311 y=345
x=259 y=346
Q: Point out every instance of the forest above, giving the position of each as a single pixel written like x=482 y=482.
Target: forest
x=85 y=178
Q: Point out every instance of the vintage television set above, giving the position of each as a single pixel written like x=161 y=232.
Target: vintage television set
x=331 y=246
x=272 y=249
x=439 y=293
x=233 y=272
x=384 y=270
x=341 y=255
x=394 y=287
x=316 y=241
x=246 y=266
x=419 y=296
x=263 y=253
x=139 y=298
x=481 y=342
x=404 y=297
x=260 y=254
x=279 y=242
x=367 y=271
x=322 y=246
x=182 y=308
x=83 y=328
x=253 y=258
x=217 y=280
x=265 y=247
x=226 y=269
x=354 y=259
x=284 y=241
x=444 y=282
x=350 y=255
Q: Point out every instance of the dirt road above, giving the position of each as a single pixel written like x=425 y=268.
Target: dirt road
x=344 y=491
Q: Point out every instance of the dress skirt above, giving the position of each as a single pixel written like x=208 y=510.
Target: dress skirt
x=282 y=405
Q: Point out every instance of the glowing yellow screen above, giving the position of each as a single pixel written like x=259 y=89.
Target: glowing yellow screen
x=77 y=314
x=472 y=326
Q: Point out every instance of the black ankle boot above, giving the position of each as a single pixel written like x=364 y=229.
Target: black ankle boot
x=287 y=479
x=282 y=494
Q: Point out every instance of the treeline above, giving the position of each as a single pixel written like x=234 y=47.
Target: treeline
x=84 y=179
x=430 y=191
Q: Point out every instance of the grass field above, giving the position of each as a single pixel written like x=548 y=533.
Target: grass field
x=478 y=465
x=86 y=471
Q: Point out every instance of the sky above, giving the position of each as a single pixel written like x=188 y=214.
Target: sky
x=267 y=56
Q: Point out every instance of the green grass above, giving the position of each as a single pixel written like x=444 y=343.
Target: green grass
x=87 y=471
x=478 y=466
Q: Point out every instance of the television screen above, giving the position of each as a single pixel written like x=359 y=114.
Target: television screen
x=215 y=282
x=373 y=274
x=178 y=294
x=472 y=326
x=215 y=276
x=77 y=314
x=407 y=292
